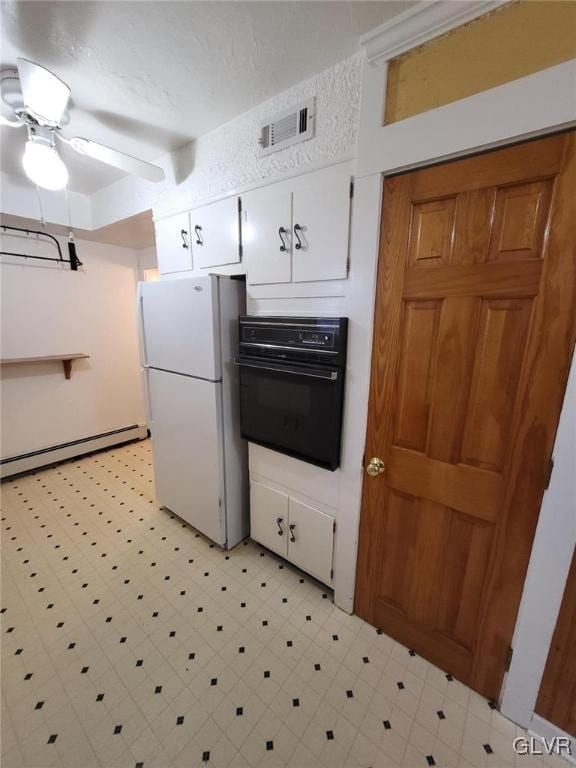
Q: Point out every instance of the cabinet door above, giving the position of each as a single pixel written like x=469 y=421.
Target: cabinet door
x=311 y=540
x=173 y=244
x=321 y=222
x=269 y=518
x=267 y=250
x=215 y=234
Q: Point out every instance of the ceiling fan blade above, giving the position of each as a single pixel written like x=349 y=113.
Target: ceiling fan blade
x=116 y=159
x=16 y=123
x=45 y=95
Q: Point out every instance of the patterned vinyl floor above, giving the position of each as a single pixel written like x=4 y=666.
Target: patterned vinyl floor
x=130 y=641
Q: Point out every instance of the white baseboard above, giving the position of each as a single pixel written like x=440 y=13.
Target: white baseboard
x=14 y=465
x=542 y=729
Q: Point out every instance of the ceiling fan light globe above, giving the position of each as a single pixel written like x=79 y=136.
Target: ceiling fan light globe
x=43 y=166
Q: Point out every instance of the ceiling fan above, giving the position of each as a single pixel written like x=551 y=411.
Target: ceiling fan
x=38 y=100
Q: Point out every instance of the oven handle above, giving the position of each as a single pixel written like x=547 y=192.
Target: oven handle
x=329 y=375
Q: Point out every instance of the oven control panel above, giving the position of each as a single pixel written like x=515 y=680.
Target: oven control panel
x=299 y=338
x=317 y=339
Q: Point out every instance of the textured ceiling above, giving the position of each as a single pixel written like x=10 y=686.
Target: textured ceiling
x=147 y=77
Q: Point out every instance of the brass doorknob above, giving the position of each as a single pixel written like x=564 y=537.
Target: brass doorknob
x=375 y=467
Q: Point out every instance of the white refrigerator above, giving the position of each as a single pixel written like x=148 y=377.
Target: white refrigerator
x=188 y=331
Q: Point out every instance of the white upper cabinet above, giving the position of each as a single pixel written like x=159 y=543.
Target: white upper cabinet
x=297 y=232
x=320 y=227
x=266 y=236
x=173 y=244
x=215 y=234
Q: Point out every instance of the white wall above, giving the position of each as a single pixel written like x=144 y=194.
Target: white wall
x=48 y=309
x=147 y=258
x=18 y=196
x=147 y=261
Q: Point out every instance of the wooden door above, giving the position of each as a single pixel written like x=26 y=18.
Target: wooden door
x=320 y=226
x=474 y=329
x=557 y=697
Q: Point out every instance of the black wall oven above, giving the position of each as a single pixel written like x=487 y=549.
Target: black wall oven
x=292 y=385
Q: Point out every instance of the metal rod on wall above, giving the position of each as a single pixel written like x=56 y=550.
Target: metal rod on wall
x=74 y=261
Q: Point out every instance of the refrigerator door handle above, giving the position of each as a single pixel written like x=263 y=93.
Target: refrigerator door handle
x=142 y=353
x=141 y=334
x=147 y=399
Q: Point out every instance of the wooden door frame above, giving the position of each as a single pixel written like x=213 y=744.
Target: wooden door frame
x=546 y=579
x=528 y=107
x=532 y=106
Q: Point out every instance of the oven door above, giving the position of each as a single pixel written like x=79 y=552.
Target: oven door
x=295 y=408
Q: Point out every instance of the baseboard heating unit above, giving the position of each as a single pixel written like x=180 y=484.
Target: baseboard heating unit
x=25 y=462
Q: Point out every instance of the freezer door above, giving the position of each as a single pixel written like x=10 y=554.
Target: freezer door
x=186 y=427
x=179 y=326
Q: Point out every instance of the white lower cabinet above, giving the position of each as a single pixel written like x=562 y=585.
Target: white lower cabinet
x=269 y=518
x=294 y=530
x=310 y=540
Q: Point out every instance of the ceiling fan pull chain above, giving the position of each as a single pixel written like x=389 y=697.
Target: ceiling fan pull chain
x=70 y=233
x=74 y=260
x=42 y=219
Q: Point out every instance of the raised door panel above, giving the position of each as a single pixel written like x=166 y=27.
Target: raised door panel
x=215 y=232
x=501 y=340
x=321 y=223
x=311 y=540
x=400 y=528
x=521 y=213
x=269 y=517
x=464 y=560
x=431 y=232
x=417 y=338
x=267 y=236
x=173 y=244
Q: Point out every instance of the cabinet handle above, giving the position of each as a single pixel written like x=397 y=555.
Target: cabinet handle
x=297 y=230
x=292 y=527
x=198 y=230
x=281 y=233
x=184 y=236
x=279 y=522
